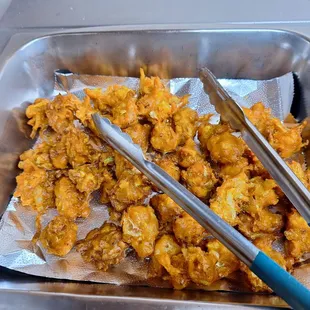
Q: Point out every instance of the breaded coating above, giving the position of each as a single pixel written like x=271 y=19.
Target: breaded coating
x=87 y=178
x=149 y=84
x=163 y=138
x=131 y=188
x=59 y=236
x=199 y=179
x=297 y=233
x=233 y=169
x=225 y=148
x=286 y=141
x=302 y=175
x=201 y=265
x=189 y=154
x=35 y=187
x=69 y=201
x=61 y=112
x=122 y=165
x=103 y=247
x=265 y=244
x=36 y=113
x=107 y=184
x=140 y=229
x=168 y=254
x=185 y=123
x=166 y=208
x=188 y=231
x=170 y=167
x=230 y=197
x=140 y=135
x=227 y=262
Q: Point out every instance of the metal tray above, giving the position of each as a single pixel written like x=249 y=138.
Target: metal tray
x=26 y=72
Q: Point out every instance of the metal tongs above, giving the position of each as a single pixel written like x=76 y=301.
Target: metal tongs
x=232 y=113
x=280 y=281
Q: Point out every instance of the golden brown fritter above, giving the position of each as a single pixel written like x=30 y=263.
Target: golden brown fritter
x=35 y=187
x=103 y=247
x=140 y=229
x=301 y=174
x=69 y=201
x=140 y=135
x=233 y=169
x=185 y=123
x=163 y=138
x=122 y=165
x=149 y=84
x=165 y=207
x=170 y=167
x=188 y=231
x=87 y=178
x=168 y=254
x=36 y=113
x=107 y=184
x=199 y=179
x=61 y=112
x=230 y=197
x=201 y=265
x=286 y=141
x=189 y=154
x=297 y=233
x=225 y=148
x=265 y=244
x=59 y=236
x=131 y=188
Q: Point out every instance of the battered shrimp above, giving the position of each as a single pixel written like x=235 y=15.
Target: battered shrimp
x=140 y=229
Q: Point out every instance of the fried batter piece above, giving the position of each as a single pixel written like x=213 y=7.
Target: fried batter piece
x=107 y=184
x=170 y=167
x=265 y=244
x=87 y=178
x=140 y=229
x=189 y=154
x=35 y=187
x=131 y=188
x=201 y=265
x=199 y=179
x=36 y=113
x=59 y=236
x=233 y=169
x=122 y=165
x=185 y=123
x=140 y=135
x=149 y=84
x=39 y=156
x=61 y=112
x=69 y=201
x=163 y=138
x=188 y=231
x=286 y=141
x=168 y=254
x=227 y=262
x=297 y=233
x=103 y=247
x=225 y=148
x=167 y=209
x=230 y=197
x=301 y=174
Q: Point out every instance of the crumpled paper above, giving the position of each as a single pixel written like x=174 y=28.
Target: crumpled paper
x=17 y=225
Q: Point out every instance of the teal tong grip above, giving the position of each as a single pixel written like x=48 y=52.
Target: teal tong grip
x=281 y=282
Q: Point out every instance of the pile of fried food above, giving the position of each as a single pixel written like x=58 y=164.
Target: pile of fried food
x=211 y=160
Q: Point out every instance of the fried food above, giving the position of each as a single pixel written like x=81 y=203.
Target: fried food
x=131 y=188
x=188 y=231
x=59 y=236
x=163 y=138
x=297 y=233
x=170 y=167
x=121 y=165
x=37 y=117
x=140 y=229
x=69 y=201
x=185 y=123
x=167 y=209
x=35 y=187
x=199 y=179
x=265 y=244
x=301 y=174
x=230 y=197
x=189 y=154
x=103 y=247
x=107 y=184
x=140 y=135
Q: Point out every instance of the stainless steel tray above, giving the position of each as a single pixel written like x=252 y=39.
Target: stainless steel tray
x=26 y=72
